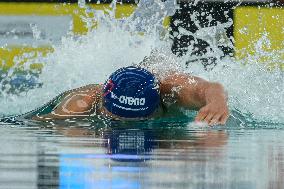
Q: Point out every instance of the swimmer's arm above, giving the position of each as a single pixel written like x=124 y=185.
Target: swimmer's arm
x=196 y=93
x=76 y=106
x=76 y=103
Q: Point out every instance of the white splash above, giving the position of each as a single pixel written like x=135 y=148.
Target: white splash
x=253 y=88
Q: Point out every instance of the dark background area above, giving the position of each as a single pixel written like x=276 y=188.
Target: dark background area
x=220 y=12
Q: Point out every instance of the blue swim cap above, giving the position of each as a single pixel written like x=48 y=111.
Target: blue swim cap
x=131 y=92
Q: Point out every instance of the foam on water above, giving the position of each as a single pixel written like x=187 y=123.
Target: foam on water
x=81 y=60
x=252 y=89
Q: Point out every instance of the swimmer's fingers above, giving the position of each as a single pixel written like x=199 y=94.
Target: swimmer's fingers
x=215 y=120
x=205 y=115
x=203 y=112
x=210 y=116
x=219 y=119
x=224 y=118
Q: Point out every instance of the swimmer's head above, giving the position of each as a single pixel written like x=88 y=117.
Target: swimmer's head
x=131 y=92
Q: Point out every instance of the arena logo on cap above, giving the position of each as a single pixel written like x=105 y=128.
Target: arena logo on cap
x=131 y=101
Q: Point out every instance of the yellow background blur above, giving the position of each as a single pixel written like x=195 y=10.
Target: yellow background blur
x=253 y=23
x=250 y=24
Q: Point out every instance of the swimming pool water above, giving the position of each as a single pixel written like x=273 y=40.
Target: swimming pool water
x=150 y=154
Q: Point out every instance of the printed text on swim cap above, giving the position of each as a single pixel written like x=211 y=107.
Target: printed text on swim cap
x=130 y=100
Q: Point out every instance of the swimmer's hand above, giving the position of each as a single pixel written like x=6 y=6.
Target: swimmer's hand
x=214 y=113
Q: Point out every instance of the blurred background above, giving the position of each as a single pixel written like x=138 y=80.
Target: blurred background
x=34 y=25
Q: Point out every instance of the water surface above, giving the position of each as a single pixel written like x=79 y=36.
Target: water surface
x=165 y=153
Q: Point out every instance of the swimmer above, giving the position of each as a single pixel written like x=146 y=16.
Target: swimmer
x=135 y=93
